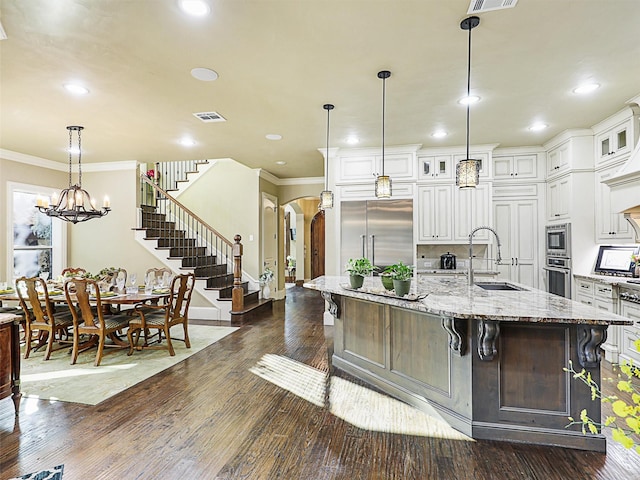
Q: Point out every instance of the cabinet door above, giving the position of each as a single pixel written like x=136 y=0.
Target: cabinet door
x=435 y=167
x=525 y=166
x=610 y=225
x=558 y=195
x=502 y=168
x=503 y=218
x=434 y=213
x=471 y=210
x=484 y=162
x=356 y=168
x=397 y=166
x=558 y=159
x=613 y=143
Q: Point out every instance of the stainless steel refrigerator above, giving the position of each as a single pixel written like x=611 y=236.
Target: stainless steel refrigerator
x=380 y=230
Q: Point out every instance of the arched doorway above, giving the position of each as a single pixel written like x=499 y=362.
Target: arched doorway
x=317 y=245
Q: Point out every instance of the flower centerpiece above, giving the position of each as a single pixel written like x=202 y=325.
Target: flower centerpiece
x=358 y=269
x=265 y=279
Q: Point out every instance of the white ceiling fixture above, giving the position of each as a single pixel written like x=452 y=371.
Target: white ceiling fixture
x=210 y=117
x=439 y=134
x=469 y=100
x=76 y=89
x=273 y=136
x=538 y=126
x=352 y=140
x=479 y=6
x=3 y=34
x=280 y=162
x=197 y=8
x=586 y=88
x=187 y=142
x=204 y=74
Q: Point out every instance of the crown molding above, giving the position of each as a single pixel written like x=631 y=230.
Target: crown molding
x=64 y=167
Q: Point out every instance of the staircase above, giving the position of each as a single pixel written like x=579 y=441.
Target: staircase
x=182 y=241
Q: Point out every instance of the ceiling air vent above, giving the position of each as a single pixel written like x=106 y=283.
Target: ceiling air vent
x=479 y=6
x=209 y=117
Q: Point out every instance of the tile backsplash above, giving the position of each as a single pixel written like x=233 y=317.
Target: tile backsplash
x=429 y=255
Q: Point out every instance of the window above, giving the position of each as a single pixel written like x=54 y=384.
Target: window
x=38 y=240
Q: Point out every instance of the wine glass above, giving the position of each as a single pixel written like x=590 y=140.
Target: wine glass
x=44 y=276
x=133 y=277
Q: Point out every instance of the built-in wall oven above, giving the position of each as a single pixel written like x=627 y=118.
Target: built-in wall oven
x=558 y=276
x=558 y=259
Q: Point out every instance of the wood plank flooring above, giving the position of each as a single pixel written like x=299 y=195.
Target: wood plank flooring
x=213 y=417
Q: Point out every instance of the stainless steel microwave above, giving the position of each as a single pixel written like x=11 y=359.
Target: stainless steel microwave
x=558 y=240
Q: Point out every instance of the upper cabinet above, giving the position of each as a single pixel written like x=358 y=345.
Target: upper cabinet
x=611 y=226
x=515 y=167
x=572 y=150
x=613 y=143
x=435 y=167
x=361 y=165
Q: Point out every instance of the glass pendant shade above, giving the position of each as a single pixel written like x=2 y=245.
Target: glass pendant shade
x=326 y=199
x=468 y=173
x=383 y=186
x=326 y=196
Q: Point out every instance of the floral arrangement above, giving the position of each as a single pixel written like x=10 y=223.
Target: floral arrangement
x=635 y=258
x=152 y=173
x=266 y=276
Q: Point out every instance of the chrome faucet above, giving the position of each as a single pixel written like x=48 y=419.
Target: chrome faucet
x=498 y=259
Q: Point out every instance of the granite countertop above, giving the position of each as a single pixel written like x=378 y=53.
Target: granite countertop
x=610 y=279
x=7 y=318
x=456 y=271
x=451 y=296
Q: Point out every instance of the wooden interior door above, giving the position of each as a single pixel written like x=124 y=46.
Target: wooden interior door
x=317 y=245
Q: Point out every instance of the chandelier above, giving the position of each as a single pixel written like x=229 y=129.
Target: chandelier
x=74 y=204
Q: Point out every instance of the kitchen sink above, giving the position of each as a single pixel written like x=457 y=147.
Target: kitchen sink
x=498 y=286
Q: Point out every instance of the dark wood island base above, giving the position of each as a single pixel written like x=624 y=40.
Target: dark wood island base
x=489 y=379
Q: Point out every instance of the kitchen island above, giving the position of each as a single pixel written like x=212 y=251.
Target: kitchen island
x=489 y=361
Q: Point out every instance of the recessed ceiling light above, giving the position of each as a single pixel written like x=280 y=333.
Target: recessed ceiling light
x=187 y=142
x=352 y=140
x=204 y=74
x=196 y=8
x=76 y=89
x=273 y=136
x=439 y=134
x=469 y=100
x=586 y=88
x=280 y=162
x=536 y=127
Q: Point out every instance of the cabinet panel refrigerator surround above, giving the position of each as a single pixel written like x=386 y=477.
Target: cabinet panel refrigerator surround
x=380 y=230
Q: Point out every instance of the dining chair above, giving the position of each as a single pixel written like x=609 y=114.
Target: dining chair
x=163 y=317
x=42 y=322
x=157 y=274
x=87 y=320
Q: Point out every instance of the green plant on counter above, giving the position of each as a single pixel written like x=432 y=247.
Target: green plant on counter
x=359 y=266
x=625 y=424
x=400 y=271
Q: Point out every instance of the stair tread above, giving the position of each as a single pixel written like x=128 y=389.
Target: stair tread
x=252 y=306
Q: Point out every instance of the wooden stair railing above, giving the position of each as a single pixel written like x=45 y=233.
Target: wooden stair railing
x=167 y=175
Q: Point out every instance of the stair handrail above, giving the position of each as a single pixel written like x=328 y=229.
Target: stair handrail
x=158 y=189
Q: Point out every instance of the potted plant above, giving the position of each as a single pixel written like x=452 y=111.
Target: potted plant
x=386 y=277
x=358 y=269
x=402 y=275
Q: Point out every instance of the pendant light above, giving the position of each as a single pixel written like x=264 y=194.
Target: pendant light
x=74 y=204
x=326 y=196
x=383 y=182
x=468 y=170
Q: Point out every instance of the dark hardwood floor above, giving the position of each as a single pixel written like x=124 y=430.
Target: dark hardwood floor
x=213 y=417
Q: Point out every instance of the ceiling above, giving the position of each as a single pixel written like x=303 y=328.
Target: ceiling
x=279 y=61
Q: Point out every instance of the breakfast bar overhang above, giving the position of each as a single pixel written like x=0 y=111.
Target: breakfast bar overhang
x=490 y=362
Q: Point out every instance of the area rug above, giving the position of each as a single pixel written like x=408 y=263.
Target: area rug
x=56 y=379
x=54 y=473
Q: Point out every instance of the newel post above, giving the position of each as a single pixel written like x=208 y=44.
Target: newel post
x=237 y=294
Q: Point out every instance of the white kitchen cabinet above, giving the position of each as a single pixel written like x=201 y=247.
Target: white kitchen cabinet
x=472 y=209
x=435 y=167
x=613 y=143
x=630 y=333
x=610 y=226
x=559 y=198
x=515 y=167
x=558 y=160
x=516 y=221
x=435 y=213
x=484 y=162
x=399 y=166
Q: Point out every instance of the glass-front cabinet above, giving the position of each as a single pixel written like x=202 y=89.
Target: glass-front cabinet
x=435 y=167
